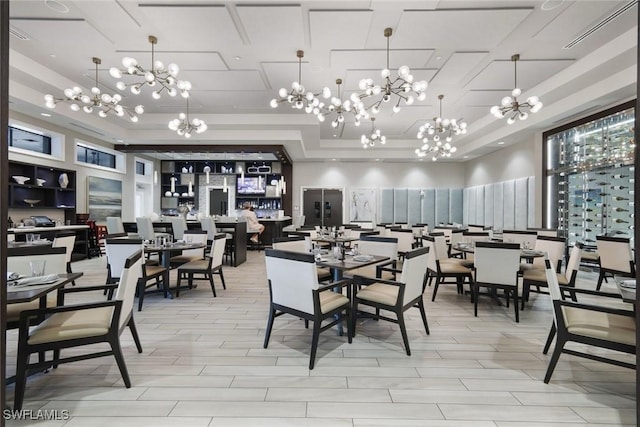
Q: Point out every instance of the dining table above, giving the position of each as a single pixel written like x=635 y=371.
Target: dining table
x=349 y=262
x=29 y=293
x=165 y=250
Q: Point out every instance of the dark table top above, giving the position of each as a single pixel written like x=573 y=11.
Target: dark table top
x=349 y=263
x=34 y=292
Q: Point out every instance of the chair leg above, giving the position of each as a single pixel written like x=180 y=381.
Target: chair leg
x=224 y=285
x=349 y=332
x=403 y=331
x=314 y=342
x=73 y=282
x=213 y=288
x=476 y=294
x=354 y=315
x=515 y=303
x=21 y=379
x=267 y=334
x=165 y=284
x=423 y=314
x=552 y=333
x=600 y=279
x=134 y=333
x=435 y=288
x=141 y=288
x=525 y=293
x=117 y=353
x=306 y=323
x=554 y=359
x=180 y=273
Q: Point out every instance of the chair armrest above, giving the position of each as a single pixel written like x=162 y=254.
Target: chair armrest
x=392 y=270
x=598 y=308
x=386 y=282
x=338 y=284
x=88 y=288
x=25 y=314
x=589 y=292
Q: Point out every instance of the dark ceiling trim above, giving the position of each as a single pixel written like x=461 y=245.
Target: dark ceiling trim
x=277 y=150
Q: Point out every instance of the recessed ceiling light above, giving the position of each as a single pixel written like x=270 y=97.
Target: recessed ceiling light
x=237 y=58
x=438 y=58
x=465 y=157
x=53 y=55
x=334 y=135
x=333 y=160
x=500 y=142
x=551 y=4
x=377 y=160
x=57 y=6
x=119 y=140
x=45 y=114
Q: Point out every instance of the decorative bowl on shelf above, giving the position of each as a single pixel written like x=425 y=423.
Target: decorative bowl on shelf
x=185 y=194
x=168 y=194
x=20 y=179
x=176 y=194
x=40 y=182
x=31 y=202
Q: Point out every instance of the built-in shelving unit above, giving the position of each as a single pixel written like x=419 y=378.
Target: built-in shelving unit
x=590 y=179
x=255 y=182
x=43 y=189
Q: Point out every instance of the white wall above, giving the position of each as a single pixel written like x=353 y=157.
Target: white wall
x=515 y=161
x=82 y=172
x=346 y=175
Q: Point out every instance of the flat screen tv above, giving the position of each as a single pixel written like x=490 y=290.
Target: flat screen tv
x=251 y=185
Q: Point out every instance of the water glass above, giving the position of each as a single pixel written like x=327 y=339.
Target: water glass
x=37 y=267
x=355 y=250
x=30 y=238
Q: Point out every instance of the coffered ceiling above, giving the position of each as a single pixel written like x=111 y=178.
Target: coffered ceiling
x=576 y=56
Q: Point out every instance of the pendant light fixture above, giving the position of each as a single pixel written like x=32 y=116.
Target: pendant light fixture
x=509 y=106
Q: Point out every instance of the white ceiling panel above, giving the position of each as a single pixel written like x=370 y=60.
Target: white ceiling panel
x=226 y=80
x=500 y=74
x=349 y=28
x=282 y=74
x=258 y=22
x=458 y=67
x=354 y=76
x=56 y=36
x=199 y=25
x=483 y=98
x=186 y=60
x=456 y=28
x=575 y=19
x=377 y=59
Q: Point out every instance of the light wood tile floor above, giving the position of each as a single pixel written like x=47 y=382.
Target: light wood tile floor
x=203 y=365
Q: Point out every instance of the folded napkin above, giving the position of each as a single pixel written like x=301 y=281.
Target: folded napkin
x=12 y=276
x=36 y=280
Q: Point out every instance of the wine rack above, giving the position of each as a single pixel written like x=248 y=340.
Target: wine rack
x=590 y=180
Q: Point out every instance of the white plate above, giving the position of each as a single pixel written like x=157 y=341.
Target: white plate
x=362 y=258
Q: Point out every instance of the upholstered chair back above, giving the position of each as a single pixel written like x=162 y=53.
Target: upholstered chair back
x=292 y=277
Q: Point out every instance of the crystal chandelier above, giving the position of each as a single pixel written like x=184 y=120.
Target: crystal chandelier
x=442 y=128
x=438 y=150
x=374 y=136
x=510 y=105
x=165 y=78
x=102 y=102
x=403 y=87
x=339 y=108
x=299 y=98
x=185 y=127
